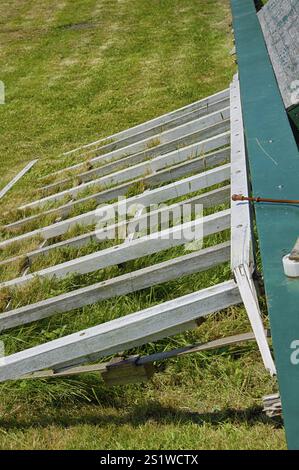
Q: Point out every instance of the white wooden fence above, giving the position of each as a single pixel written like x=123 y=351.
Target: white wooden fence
x=196 y=147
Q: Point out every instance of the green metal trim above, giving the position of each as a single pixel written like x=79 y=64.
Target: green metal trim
x=274 y=168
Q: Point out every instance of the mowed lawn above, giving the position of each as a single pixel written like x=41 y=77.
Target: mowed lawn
x=76 y=71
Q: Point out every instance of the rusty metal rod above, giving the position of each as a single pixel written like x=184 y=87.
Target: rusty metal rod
x=237 y=197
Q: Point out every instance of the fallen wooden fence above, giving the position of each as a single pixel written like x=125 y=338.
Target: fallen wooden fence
x=155 y=196
x=194 y=139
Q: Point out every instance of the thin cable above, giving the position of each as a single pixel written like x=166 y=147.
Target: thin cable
x=237 y=197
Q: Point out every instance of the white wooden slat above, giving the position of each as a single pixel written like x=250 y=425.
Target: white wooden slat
x=122 y=334
x=121 y=285
x=249 y=298
x=154 y=196
x=158 y=121
x=241 y=223
x=208 y=199
x=222 y=124
x=167 y=175
x=173 y=173
x=153 y=132
x=149 y=359
x=131 y=173
x=17 y=178
x=153 y=243
x=177 y=156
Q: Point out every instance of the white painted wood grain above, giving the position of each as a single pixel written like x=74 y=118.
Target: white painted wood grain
x=153 y=243
x=156 y=122
x=135 y=171
x=136 y=329
x=120 y=285
x=177 y=156
x=208 y=199
x=154 y=196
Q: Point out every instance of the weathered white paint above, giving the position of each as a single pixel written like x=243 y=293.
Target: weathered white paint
x=120 y=285
x=172 y=158
x=153 y=243
x=136 y=329
x=154 y=196
x=156 y=122
x=240 y=223
x=208 y=199
x=135 y=171
x=222 y=124
x=249 y=298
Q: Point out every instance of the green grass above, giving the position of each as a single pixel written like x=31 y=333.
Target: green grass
x=74 y=75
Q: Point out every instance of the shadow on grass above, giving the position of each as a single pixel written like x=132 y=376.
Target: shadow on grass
x=140 y=415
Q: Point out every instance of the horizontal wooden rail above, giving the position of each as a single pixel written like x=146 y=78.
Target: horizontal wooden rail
x=133 y=172
x=144 y=221
x=120 y=285
x=153 y=243
x=149 y=359
x=161 y=321
x=172 y=158
x=156 y=122
x=154 y=196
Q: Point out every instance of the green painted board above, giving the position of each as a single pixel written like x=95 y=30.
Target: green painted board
x=274 y=168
